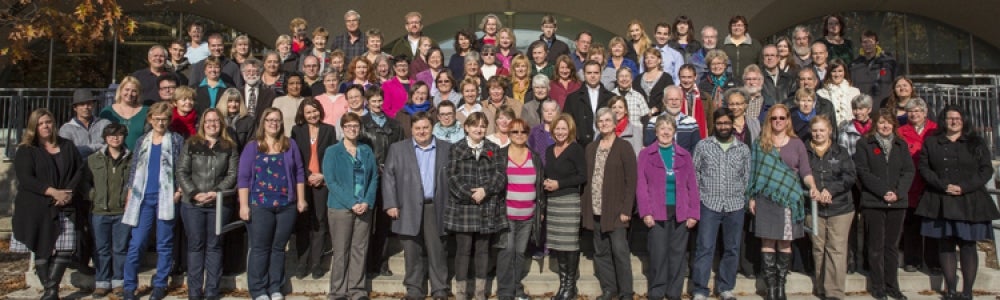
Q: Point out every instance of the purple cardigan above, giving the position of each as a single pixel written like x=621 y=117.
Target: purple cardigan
x=651 y=192
x=294 y=170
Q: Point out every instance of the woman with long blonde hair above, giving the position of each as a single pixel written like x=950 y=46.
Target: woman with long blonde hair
x=127 y=110
x=638 y=40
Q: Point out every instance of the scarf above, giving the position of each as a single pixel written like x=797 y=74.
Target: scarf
x=622 y=125
x=693 y=96
x=185 y=125
x=412 y=109
x=521 y=89
x=769 y=176
x=719 y=82
x=807 y=117
x=885 y=142
x=379 y=119
x=863 y=128
x=451 y=134
x=820 y=149
x=878 y=51
x=165 y=203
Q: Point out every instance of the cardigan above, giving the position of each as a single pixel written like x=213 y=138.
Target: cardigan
x=878 y=176
x=618 y=191
x=651 y=192
x=944 y=162
x=36 y=221
x=293 y=168
x=338 y=172
x=541 y=202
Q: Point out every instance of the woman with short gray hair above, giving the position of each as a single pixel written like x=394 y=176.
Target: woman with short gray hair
x=916 y=254
x=531 y=112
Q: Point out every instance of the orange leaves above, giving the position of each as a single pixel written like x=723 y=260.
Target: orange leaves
x=79 y=24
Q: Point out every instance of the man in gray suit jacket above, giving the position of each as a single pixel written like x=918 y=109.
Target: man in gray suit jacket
x=415 y=190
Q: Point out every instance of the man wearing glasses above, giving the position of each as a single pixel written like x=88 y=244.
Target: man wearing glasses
x=353 y=41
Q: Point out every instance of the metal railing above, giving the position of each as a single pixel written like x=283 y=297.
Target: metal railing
x=16 y=105
x=978 y=95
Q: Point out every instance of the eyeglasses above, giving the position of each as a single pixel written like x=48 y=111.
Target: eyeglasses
x=450 y=114
x=488 y=54
x=518 y=132
x=778 y=118
x=352 y=126
x=444 y=81
x=167 y=88
x=160 y=120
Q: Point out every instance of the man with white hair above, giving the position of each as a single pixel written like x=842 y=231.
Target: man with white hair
x=352 y=42
x=709 y=40
x=156 y=58
x=801 y=39
x=687 y=135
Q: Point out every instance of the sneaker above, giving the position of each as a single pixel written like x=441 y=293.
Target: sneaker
x=700 y=297
x=910 y=268
x=100 y=292
x=261 y=297
x=277 y=296
x=727 y=295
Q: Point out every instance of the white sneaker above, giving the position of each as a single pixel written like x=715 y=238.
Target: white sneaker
x=262 y=297
x=277 y=296
x=700 y=297
x=727 y=295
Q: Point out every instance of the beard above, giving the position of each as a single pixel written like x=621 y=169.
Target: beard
x=753 y=90
x=801 y=51
x=723 y=134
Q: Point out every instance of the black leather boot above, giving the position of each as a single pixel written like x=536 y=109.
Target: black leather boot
x=42 y=271
x=573 y=266
x=784 y=260
x=767 y=270
x=561 y=268
x=56 y=270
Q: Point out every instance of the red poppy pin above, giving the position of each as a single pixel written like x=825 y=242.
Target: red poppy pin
x=881 y=72
x=489 y=153
x=878 y=151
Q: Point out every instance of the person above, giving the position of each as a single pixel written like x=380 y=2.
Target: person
x=820 y=60
x=653 y=81
x=834 y=172
x=151 y=194
x=447 y=128
x=502 y=122
x=127 y=110
x=240 y=121
x=288 y=60
x=598 y=53
x=638 y=40
x=311 y=226
x=874 y=69
x=271 y=187
x=687 y=126
x=274 y=75
x=106 y=171
x=167 y=83
x=692 y=103
x=565 y=81
x=183 y=116
x=671 y=59
x=491 y=66
x=709 y=41
x=352 y=41
x=474 y=212
x=582 y=50
x=753 y=85
x=177 y=63
x=435 y=65
x=670 y=210
x=350 y=169
x=624 y=127
x=241 y=49
x=506 y=46
x=917 y=251
x=809 y=80
x=472 y=69
x=300 y=40
x=718 y=79
x=635 y=101
x=465 y=43
x=848 y=137
x=683 y=40
x=885 y=172
x=289 y=103
x=496 y=101
x=50 y=171
x=383 y=70
x=317 y=49
x=606 y=206
x=955 y=208
x=553 y=46
x=778 y=212
x=803 y=113
x=490 y=25
x=197 y=49
x=470 y=100
x=722 y=166
x=531 y=112
x=564 y=174
x=333 y=103
x=801 y=47
x=206 y=172
x=833 y=37
x=525 y=204
x=380 y=60
x=85 y=129
x=211 y=86
x=521 y=76
x=585 y=101
x=778 y=83
x=617 y=59
x=739 y=46
x=408 y=44
x=356 y=100
x=540 y=137
x=416 y=204
x=419 y=101
x=902 y=93
x=258 y=95
x=446 y=89
x=359 y=72
x=396 y=91
x=747 y=130
x=540 y=61
x=156 y=59
x=786 y=61
x=229 y=71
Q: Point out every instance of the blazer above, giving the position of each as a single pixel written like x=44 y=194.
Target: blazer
x=541 y=202
x=36 y=223
x=403 y=189
x=618 y=193
x=462 y=214
x=338 y=172
x=879 y=176
x=651 y=192
x=326 y=137
x=265 y=97
x=578 y=106
x=961 y=163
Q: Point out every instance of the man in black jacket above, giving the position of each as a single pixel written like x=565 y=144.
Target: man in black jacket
x=583 y=103
x=554 y=46
x=873 y=71
x=778 y=84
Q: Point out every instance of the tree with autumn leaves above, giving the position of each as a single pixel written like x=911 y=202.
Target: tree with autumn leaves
x=78 y=24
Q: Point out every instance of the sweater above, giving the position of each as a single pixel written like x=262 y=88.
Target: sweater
x=338 y=173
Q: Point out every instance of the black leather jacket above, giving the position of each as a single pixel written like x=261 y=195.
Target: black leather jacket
x=379 y=138
x=202 y=169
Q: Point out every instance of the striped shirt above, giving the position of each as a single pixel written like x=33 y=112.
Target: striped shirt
x=520 y=189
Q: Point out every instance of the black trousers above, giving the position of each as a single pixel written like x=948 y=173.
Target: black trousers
x=312 y=230
x=378 y=250
x=883 y=228
x=613 y=260
x=918 y=250
x=667 y=242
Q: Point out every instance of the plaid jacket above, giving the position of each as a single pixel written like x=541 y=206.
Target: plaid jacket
x=466 y=172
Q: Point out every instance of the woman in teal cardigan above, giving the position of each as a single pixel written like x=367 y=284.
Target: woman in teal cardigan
x=349 y=169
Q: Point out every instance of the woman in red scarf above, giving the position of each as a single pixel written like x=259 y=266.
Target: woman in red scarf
x=184 y=118
x=624 y=129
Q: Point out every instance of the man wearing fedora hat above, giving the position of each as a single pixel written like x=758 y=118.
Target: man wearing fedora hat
x=85 y=128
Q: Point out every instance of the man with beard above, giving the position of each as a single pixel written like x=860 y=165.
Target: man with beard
x=672 y=59
x=777 y=84
x=230 y=70
x=874 y=70
x=758 y=103
x=801 y=38
x=157 y=59
x=257 y=95
x=687 y=135
x=178 y=63
x=722 y=165
x=709 y=40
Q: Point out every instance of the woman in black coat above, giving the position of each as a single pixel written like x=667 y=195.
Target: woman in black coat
x=955 y=163
x=49 y=170
x=238 y=118
x=885 y=172
x=311 y=227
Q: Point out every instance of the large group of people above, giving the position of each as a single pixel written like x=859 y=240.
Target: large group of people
x=706 y=145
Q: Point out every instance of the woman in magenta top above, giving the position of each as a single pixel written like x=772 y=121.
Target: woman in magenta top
x=525 y=203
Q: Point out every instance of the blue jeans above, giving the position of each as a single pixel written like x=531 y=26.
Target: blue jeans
x=731 y=224
x=269 y=229
x=140 y=235
x=204 y=249
x=111 y=245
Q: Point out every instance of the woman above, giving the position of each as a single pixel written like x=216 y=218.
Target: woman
x=803 y=113
x=419 y=62
x=497 y=100
x=502 y=121
x=532 y=110
x=491 y=66
x=742 y=49
x=206 y=173
x=208 y=90
x=774 y=200
x=669 y=204
x=355 y=95
x=446 y=89
x=49 y=170
x=150 y=199
x=566 y=80
x=635 y=101
x=446 y=128
x=373 y=44
x=539 y=52
x=624 y=127
x=419 y=102
x=465 y=41
x=695 y=103
x=849 y=134
x=274 y=75
x=472 y=68
x=318 y=49
x=183 y=116
x=837 y=88
x=351 y=170
x=956 y=209
x=384 y=69
x=540 y=137
x=470 y=100
x=337 y=58
x=834 y=173
x=654 y=80
x=333 y=103
x=241 y=49
x=490 y=25
x=715 y=83
x=915 y=248
x=786 y=62
x=885 y=172
x=288 y=60
x=311 y=226
x=127 y=110
x=902 y=92
x=618 y=59
x=525 y=205
x=240 y=122
x=638 y=41
x=397 y=89
x=833 y=37
x=435 y=65
x=359 y=72
x=379 y=132
x=606 y=206
x=271 y=185
x=107 y=169
x=520 y=79
x=475 y=210
x=506 y=46
x=747 y=130
x=564 y=174
x=289 y=103
x=683 y=40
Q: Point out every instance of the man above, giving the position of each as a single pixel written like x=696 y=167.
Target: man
x=230 y=70
x=819 y=60
x=583 y=40
x=709 y=40
x=178 y=64
x=777 y=84
x=722 y=164
x=156 y=58
x=583 y=103
x=257 y=95
x=672 y=60
x=800 y=48
x=687 y=135
x=554 y=46
x=757 y=102
x=873 y=71
x=415 y=189
x=353 y=41
x=167 y=84
x=85 y=129
x=808 y=79
x=197 y=49
x=313 y=85
x=408 y=44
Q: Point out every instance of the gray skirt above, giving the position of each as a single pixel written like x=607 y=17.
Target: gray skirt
x=563 y=223
x=774 y=222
